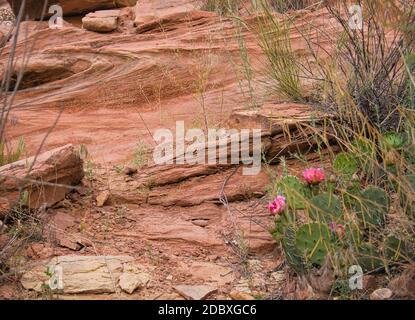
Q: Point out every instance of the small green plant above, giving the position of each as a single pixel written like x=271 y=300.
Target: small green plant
x=222 y=7
x=8 y=155
x=282 y=63
x=89 y=170
x=89 y=164
x=140 y=155
x=287 y=5
x=119 y=168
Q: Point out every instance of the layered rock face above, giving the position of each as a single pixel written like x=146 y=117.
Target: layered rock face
x=35 y=8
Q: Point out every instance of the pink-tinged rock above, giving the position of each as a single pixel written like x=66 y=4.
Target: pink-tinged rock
x=101 y=21
x=197 y=292
x=52 y=176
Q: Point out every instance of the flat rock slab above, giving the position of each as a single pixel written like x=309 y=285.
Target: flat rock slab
x=101 y=21
x=197 y=292
x=79 y=274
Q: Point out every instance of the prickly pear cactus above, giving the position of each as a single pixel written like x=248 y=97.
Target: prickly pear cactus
x=352 y=236
x=369 y=257
x=394 y=249
x=325 y=207
x=292 y=255
x=372 y=206
x=406 y=195
x=313 y=241
x=367 y=152
x=294 y=191
x=345 y=164
x=393 y=140
x=282 y=221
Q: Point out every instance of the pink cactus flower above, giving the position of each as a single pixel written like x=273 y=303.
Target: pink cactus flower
x=339 y=229
x=277 y=206
x=314 y=176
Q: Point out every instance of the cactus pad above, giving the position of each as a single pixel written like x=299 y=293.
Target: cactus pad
x=372 y=207
x=292 y=255
x=326 y=207
x=313 y=241
x=368 y=257
x=394 y=249
x=393 y=140
x=294 y=191
x=345 y=163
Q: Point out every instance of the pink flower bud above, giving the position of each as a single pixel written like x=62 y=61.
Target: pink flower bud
x=314 y=176
x=338 y=229
x=277 y=206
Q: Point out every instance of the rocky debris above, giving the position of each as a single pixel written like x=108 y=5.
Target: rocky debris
x=61 y=221
x=2 y=227
x=102 y=198
x=80 y=274
x=381 y=294
x=134 y=277
x=101 y=21
x=130 y=282
x=195 y=292
x=69 y=243
x=278 y=277
x=237 y=295
x=70 y=7
x=40 y=251
x=403 y=285
x=51 y=177
x=58 y=230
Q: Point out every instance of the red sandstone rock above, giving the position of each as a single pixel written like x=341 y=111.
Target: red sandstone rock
x=52 y=175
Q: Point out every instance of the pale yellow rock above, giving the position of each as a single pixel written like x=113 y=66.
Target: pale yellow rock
x=101 y=21
x=102 y=198
x=195 y=292
x=80 y=274
x=381 y=294
x=278 y=276
x=130 y=282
